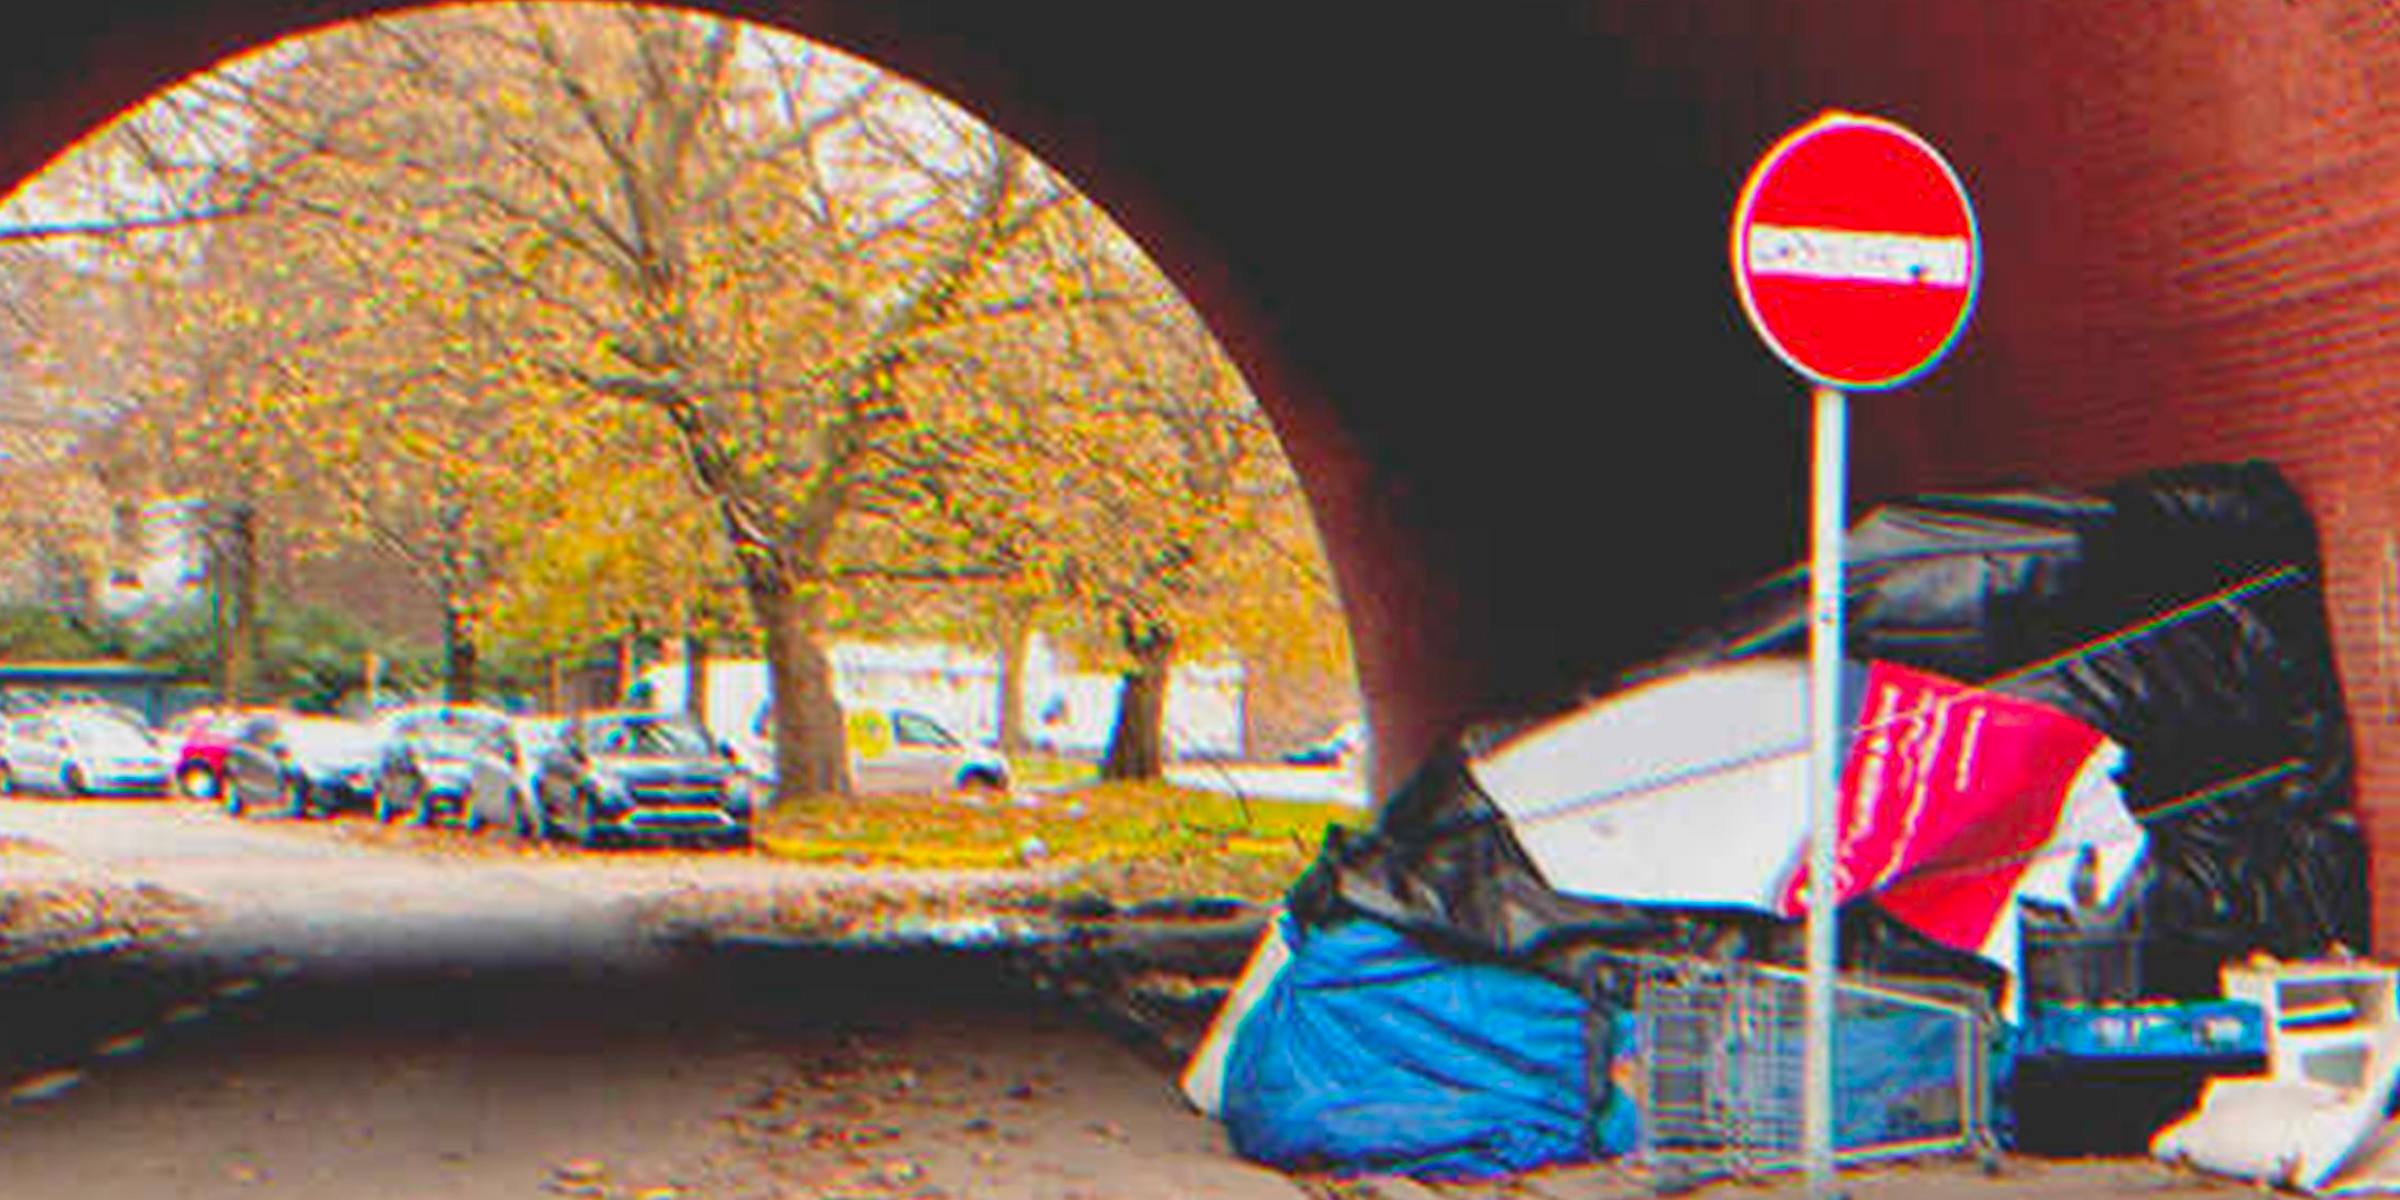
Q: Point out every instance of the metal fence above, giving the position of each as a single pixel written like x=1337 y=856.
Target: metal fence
x=1719 y=1046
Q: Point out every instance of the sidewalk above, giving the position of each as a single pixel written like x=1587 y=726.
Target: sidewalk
x=2038 y=1179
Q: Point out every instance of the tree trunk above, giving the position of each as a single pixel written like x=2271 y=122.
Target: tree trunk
x=458 y=657
x=1015 y=641
x=695 y=679
x=811 y=751
x=629 y=667
x=237 y=593
x=1136 y=746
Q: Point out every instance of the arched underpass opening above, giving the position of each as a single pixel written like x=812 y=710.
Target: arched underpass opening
x=964 y=404
x=2188 y=226
x=2162 y=205
x=450 y=318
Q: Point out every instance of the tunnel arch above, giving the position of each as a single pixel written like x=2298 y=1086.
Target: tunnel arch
x=1470 y=257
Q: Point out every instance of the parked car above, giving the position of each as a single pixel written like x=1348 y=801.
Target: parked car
x=81 y=750
x=621 y=776
x=892 y=750
x=299 y=765
x=1340 y=748
x=451 y=762
x=199 y=740
x=536 y=737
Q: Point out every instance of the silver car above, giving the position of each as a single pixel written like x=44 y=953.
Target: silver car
x=452 y=762
x=626 y=776
x=81 y=750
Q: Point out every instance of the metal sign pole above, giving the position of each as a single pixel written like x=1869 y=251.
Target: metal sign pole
x=1824 y=781
x=1866 y=300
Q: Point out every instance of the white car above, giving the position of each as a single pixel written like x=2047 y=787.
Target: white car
x=81 y=750
x=535 y=737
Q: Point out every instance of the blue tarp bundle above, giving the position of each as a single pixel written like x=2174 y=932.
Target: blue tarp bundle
x=1897 y=1073
x=1370 y=1054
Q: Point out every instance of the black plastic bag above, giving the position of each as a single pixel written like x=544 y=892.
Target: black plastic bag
x=2178 y=612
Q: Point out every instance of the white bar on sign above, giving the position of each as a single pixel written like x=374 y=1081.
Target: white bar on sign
x=1851 y=256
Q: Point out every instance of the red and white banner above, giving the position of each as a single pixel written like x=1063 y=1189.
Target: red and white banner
x=1957 y=802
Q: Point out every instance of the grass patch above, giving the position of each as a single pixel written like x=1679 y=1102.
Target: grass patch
x=1036 y=771
x=1127 y=842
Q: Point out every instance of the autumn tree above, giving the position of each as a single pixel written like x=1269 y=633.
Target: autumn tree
x=603 y=538
x=591 y=316
x=151 y=339
x=764 y=248
x=1197 y=544
x=332 y=372
x=1126 y=465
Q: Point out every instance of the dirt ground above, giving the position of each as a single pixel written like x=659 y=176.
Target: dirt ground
x=490 y=1089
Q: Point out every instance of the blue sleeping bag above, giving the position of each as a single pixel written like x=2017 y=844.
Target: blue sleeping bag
x=1369 y=1053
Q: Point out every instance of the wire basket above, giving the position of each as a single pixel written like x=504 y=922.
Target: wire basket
x=1720 y=1048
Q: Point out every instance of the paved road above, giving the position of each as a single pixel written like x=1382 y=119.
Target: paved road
x=298 y=891
x=356 y=1021
x=712 y=1079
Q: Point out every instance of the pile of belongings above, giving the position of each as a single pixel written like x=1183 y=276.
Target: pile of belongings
x=2064 y=713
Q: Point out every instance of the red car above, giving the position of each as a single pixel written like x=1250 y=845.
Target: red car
x=200 y=738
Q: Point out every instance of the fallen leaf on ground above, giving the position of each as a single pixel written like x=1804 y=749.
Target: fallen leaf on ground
x=579 y=1177
x=45 y=1085
x=579 y=1169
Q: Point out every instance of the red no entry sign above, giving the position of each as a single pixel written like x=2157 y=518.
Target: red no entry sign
x=1855 y=252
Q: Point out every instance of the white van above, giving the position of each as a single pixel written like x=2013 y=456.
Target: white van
x=892 y=749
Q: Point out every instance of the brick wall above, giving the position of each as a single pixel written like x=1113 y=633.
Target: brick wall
x=2194 y=253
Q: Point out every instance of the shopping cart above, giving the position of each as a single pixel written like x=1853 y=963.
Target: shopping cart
x=1719 y=1048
